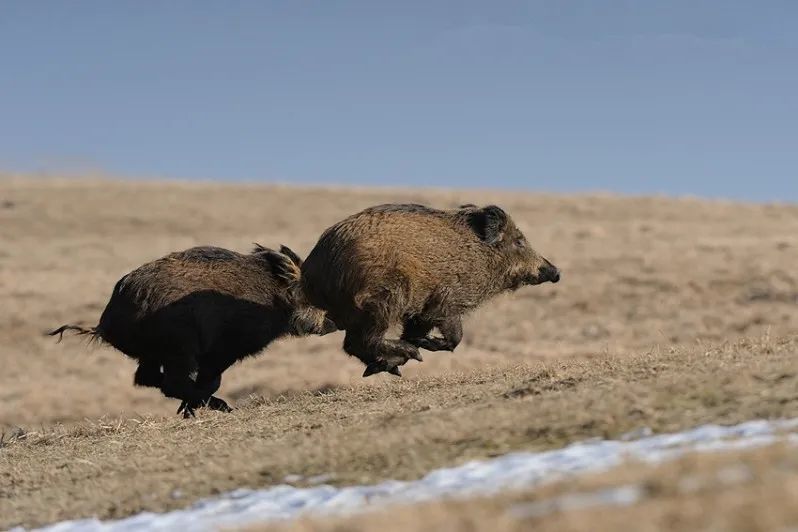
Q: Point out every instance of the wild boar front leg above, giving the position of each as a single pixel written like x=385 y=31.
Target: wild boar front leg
x=177 y=383
x=367 y=342
x=208 y=382
x=416 y=331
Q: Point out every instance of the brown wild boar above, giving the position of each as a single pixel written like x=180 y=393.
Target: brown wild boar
x=190 y=315
x=418 y=267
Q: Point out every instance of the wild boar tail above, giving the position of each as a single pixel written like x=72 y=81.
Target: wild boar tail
x=92 y=332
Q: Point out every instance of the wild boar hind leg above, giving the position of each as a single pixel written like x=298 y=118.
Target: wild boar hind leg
x=148 y=373
x=367 y=342
x=417 y=328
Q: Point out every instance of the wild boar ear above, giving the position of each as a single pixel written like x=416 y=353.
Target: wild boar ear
x=489 y=223
x=282 y=266
x=285 y=250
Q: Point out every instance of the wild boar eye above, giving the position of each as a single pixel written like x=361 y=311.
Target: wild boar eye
x=519 y=243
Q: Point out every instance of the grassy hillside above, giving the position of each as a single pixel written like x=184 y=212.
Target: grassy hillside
x=638 y=273
x=671 y=313
x=396 y=429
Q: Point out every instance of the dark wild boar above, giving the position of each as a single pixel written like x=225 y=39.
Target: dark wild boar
x=419 y=267
x=190 y=315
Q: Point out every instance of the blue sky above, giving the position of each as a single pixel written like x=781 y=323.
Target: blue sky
x=677 y=97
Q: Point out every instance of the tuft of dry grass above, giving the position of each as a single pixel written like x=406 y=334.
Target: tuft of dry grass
x=638 y=272
x=396 y=429
x=743 y=491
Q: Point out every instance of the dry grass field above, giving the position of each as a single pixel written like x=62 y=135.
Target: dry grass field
x=671 y=313
x=400 y=429
x=638 y=273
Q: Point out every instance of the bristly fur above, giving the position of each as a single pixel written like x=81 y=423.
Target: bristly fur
x=188 y=316
x=419 y=267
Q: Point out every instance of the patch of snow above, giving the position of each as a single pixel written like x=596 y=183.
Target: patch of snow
x=513 y=471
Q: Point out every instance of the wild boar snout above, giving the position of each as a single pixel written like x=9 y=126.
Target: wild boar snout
x=548 y=272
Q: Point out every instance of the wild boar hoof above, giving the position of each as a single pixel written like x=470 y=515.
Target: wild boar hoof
x=379 y=367
x=186 y=409
x=214 y=403
x=372 y=369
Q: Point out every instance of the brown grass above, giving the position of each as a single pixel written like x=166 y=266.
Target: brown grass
x=746 y=491
x=396 y=429
x=637 y=273
x=641 y=331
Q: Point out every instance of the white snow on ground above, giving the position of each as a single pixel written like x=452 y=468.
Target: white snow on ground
x=512 y=471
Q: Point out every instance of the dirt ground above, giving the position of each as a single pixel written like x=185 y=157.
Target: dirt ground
x=638 y=273
x=671 y=313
